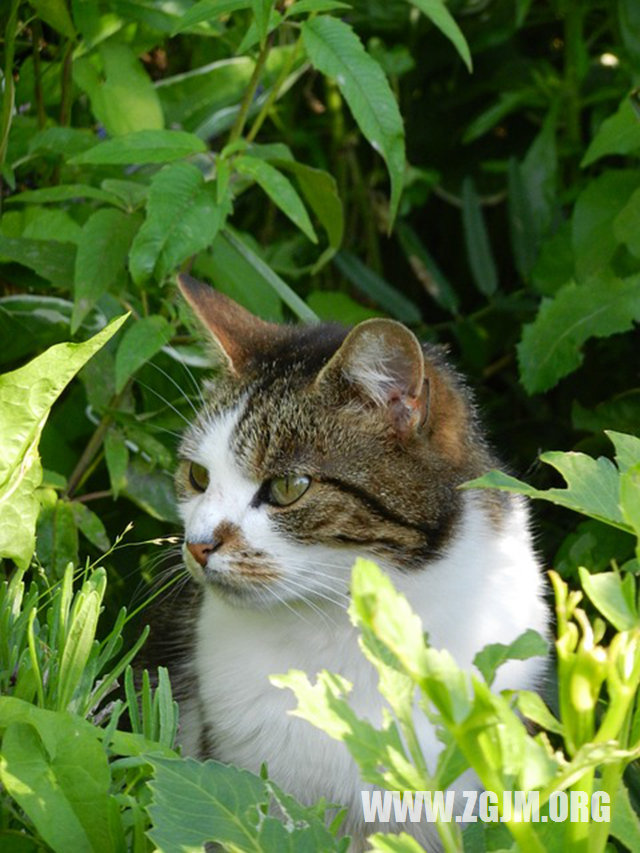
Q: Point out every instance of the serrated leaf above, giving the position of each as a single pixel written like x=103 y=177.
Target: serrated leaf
x=551 y=345
x=618 y=134
x=335 y=50
x=26 y=395
x=592 y=486
x=375 y=287
x=280 y=191
x=527 y=645
x=476 y=238
x=140 y=342
x=123 y=98
x=50 y=259
x=183 y=217
x=101 y=256
x=143 y=146
x=439 y=15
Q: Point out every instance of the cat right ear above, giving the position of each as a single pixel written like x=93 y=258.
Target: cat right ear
x=236 y=333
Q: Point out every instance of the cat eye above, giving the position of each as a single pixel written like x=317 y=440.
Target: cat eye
x=286 y=490
x=198 y=477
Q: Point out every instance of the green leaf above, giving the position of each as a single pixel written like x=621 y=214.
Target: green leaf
x=62 y=783
x=479 y=253
x=26 y=395
x=208 y=10
x=592 y=486
x=280 y=191
x=333 y=306
x=613 y=596
x=426 y=269
x=381 y=842
x=64 y=192
x=627 y=224
x=372 y=285
x=48 y=258
x=304 y=7
x=90 y=525
x=29 y=323
x=594 y=214
x=56 y=534
x=335 y=50
x=193 y=803
x=101 y=257
x=140 y=342
x=533 y=708
x=151 y=490
x=527 y=645
x=627 y=449
x=55 y=13
x=618 y=134
x=442 y=18
x=183 y=217
x=261 y=13
x=143 y=146
x=123 y=98
x=117 y=458
x=551 y=345
x=270 y=278
x=625 y=823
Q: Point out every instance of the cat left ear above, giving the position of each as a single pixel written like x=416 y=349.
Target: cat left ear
x=384 y=361
x=238 y=335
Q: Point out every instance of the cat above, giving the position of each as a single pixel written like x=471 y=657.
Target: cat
x=317 y=444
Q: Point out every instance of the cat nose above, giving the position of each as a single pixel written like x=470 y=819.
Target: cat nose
x=201 y=551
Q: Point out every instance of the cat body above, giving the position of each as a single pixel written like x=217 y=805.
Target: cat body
x=315 y=446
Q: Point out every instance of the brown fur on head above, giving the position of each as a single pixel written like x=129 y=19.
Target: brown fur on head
x=381 y=424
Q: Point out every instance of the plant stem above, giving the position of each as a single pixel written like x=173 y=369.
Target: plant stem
x=273 y=94
x=65 y=99
x=36 y=31
x=9 y=88
x=95 y=442
x=573 y=39
x=247 y=100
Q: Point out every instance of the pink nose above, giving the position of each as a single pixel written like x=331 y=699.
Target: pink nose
x=200 y=551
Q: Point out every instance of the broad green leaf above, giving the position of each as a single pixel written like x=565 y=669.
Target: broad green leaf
x=26 y=395
x=426 y=269
x=63 y=141
x=208 y=10
x=45 y=223
x=56 y=14
x=627 y=449
x=129 y=193
x=372 y=285
x=627 y=224
x=55 y=768
x=64 y=192
x=280 y=191
x=334 y=306
x=335 y=50
x=143 y=146
x=613 y=596
x=101 y=257
x=140 y=342
x=594 y=215
x=56 y=534
x=195 y=802
x=592 y=486
x=442 y=18
x=29 y=323
x=52 y=260
x=123 y=97
x=625 y=822
x=527 y=645
x=183 y=217
x=305 y=7
x=551 y=345
x=479 y=253
x=272 y=280
x=618 y=134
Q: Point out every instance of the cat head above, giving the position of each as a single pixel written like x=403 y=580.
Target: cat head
x=318 y=444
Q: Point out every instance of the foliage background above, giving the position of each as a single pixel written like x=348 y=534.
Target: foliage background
x=515 y=241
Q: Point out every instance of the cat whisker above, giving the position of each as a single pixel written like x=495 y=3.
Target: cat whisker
x=190 y=375
x=165 y=401
x=174 y=383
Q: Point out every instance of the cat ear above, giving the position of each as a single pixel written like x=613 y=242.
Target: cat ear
x=238 y=335
x=384 y=361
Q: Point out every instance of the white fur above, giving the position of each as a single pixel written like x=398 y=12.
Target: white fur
x=487 y=588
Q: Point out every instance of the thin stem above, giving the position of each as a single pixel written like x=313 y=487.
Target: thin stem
x=273 y=94
x=9 y=88
x=36 y=34
x=249 y=95
x=65 y=99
